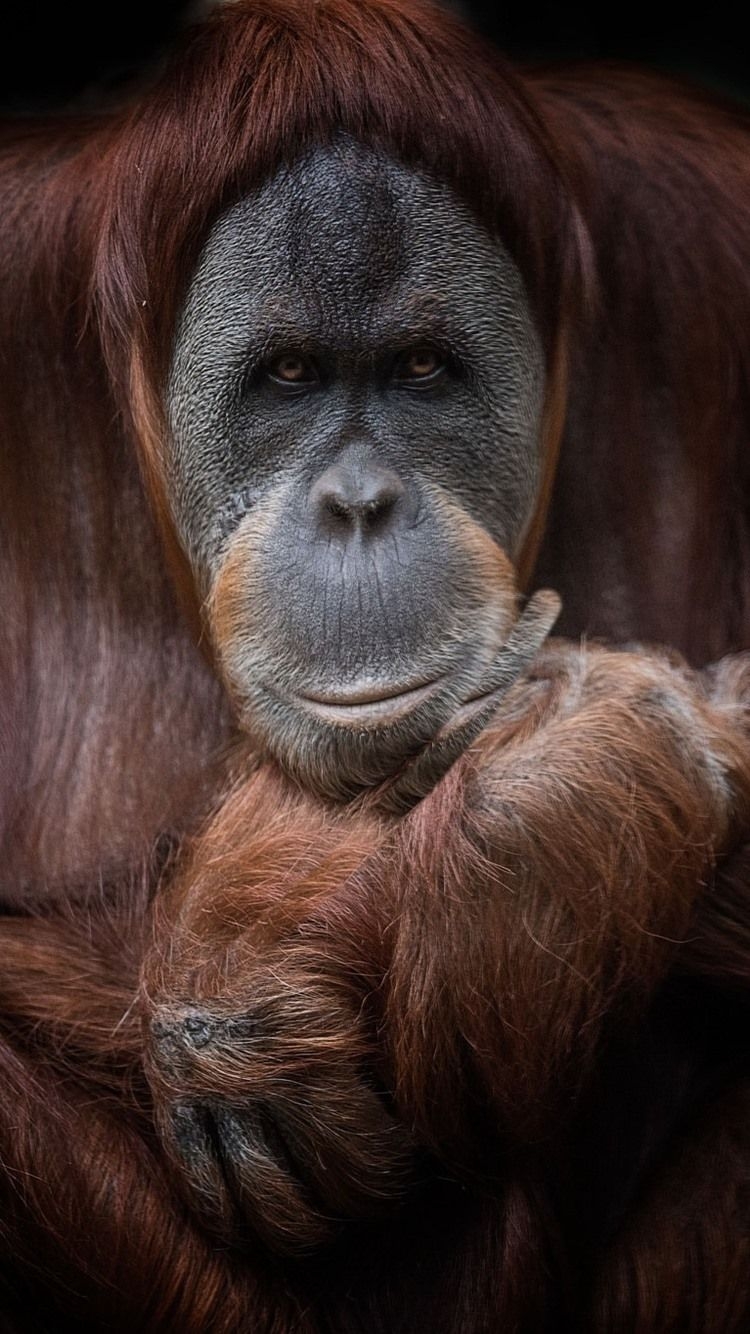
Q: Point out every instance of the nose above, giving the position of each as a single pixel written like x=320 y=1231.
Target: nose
x=357 y=494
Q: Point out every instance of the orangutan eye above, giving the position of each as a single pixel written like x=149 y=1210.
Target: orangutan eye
x=420 y=365
x=292 y=369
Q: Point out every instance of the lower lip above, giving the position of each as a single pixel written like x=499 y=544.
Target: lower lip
x=362 y=711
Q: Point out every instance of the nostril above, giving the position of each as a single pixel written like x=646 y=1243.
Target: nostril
x=337 y=508
x=378 y=508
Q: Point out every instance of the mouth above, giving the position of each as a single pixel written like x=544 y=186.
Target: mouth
x=370 y=703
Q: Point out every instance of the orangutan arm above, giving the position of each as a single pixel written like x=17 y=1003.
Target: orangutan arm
x=330 y=993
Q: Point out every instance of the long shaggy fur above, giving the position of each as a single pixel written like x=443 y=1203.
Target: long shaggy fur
x=268 y=1065
x=463 y=1069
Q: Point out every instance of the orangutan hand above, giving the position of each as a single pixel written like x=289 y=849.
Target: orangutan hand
x=330 y=990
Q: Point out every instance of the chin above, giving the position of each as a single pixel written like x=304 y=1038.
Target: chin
x=339 y=743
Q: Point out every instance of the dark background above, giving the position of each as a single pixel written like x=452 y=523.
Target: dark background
x=72 y=53
x=711 y=46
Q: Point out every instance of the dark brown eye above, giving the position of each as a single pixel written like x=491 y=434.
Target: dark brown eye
x=292 y=369
x=420 y=364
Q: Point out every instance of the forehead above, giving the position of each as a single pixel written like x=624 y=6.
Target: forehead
x=343 y=238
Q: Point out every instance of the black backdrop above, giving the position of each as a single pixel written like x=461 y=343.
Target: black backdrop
x=703 y=41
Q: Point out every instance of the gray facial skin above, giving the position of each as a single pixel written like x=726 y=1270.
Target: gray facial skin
x=361 y=493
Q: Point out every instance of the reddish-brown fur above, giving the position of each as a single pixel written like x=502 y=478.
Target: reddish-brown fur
x=507 y=1032
x=502 y=1035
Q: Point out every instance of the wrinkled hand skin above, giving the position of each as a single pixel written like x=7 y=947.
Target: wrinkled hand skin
x=336 y=997
x=260 y=1047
